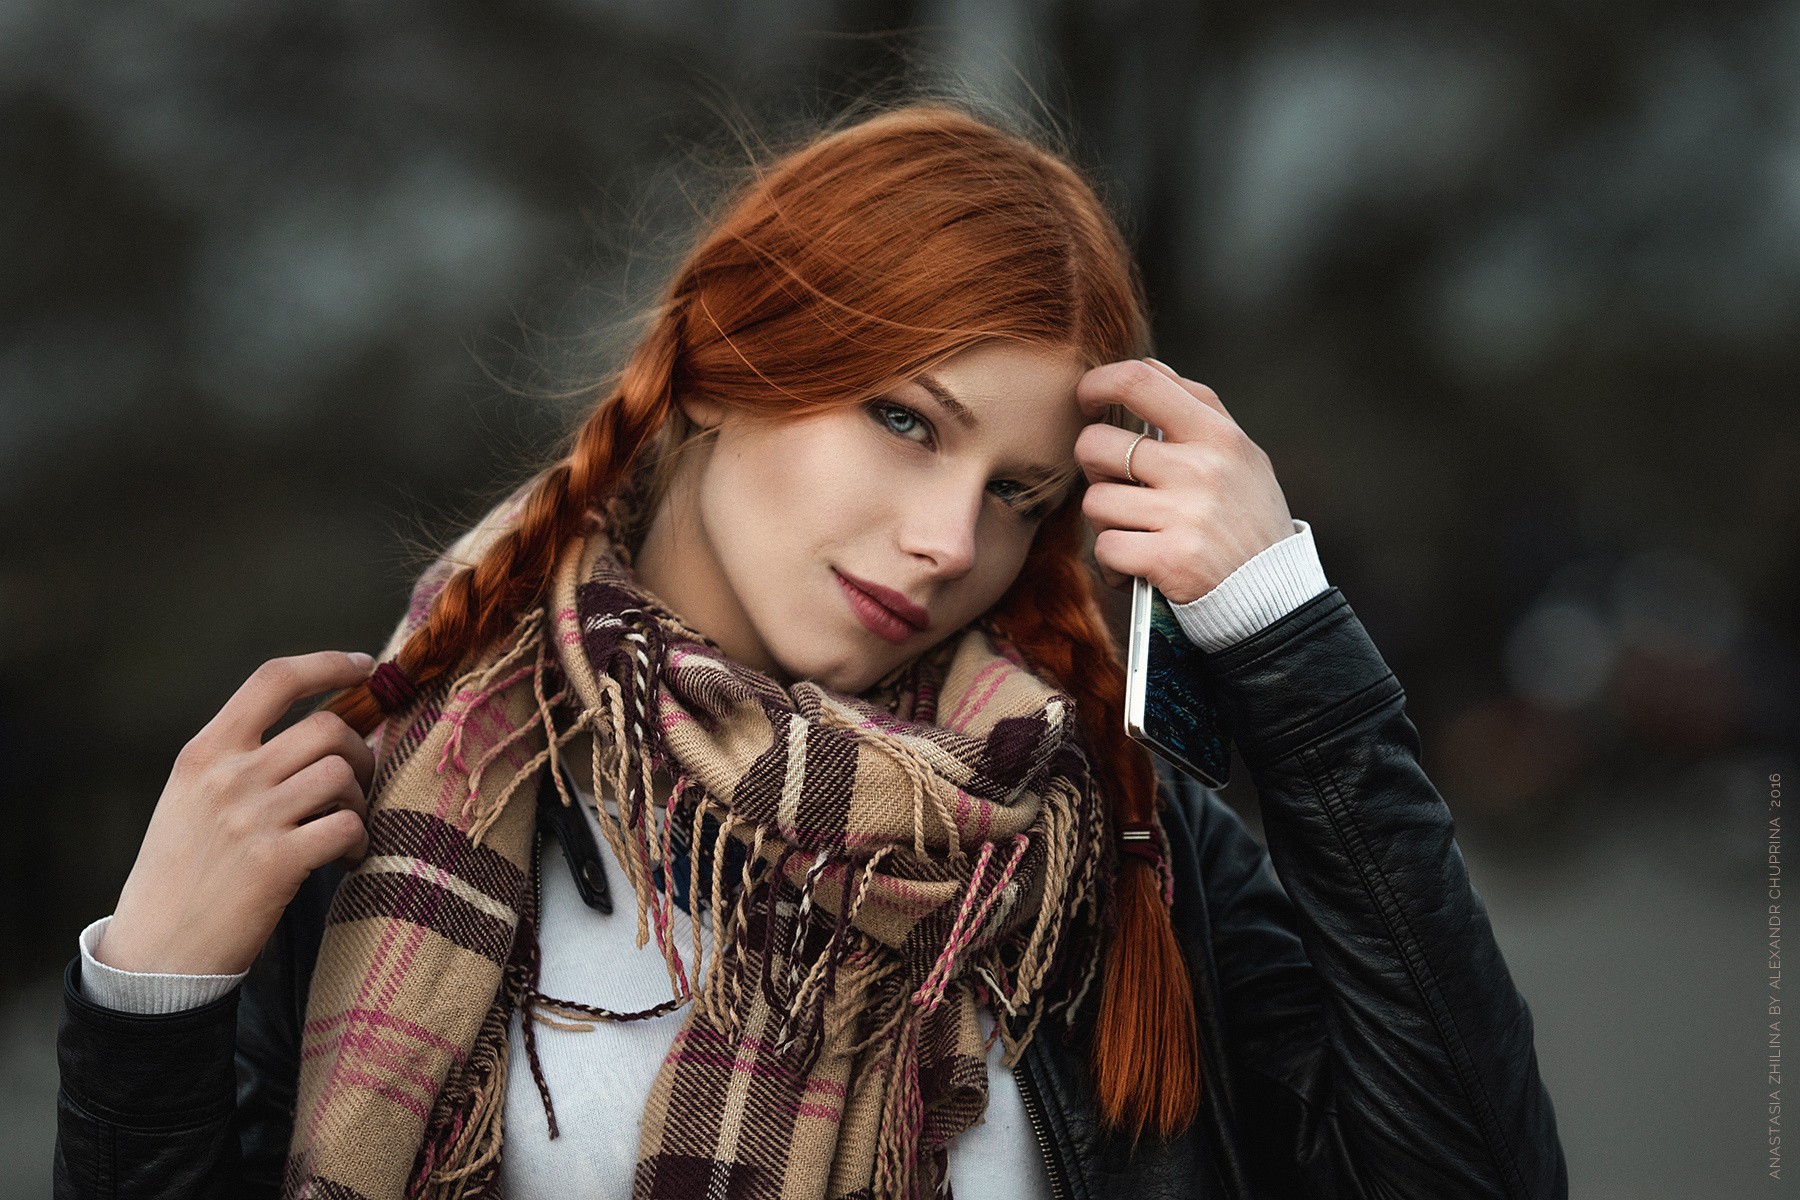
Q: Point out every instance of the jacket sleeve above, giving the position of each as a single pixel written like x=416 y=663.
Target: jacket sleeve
x=1377 y=1042
x=196 y=1103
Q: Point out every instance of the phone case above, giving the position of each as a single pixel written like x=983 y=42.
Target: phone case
x=1166 y=702
x=1167 y=705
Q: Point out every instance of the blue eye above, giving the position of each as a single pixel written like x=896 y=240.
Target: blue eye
x=904 y=422
x=909 y=420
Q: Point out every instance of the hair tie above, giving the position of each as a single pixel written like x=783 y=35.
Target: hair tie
x=391 y=688
x=1138 y=838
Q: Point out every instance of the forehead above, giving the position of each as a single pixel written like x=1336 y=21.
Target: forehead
x=1005 y=390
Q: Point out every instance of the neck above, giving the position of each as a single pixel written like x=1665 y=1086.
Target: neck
x=677 y=563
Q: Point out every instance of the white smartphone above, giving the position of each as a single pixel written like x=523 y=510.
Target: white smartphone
x=1168 y=705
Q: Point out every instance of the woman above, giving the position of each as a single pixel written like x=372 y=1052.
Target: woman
x=797 y=640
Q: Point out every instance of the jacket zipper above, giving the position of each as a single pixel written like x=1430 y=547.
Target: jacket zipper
x=1034 y=1113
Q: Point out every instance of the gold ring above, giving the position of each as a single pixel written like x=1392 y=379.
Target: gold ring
x=1128 y=452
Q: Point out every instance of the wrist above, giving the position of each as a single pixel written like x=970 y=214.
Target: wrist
x=1263 y=589
x=124 y=946
x=144 y=992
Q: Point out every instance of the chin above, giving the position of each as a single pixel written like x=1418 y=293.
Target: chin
x=846 y=681
x=840 y=673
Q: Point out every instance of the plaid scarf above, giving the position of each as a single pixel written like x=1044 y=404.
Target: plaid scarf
x=900 y=857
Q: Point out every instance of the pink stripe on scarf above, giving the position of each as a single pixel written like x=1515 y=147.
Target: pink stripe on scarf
x=950 y=722
x=959 y=720
x=760 y=1045
x=390 y=1053
x=375 y=1017
x=568 y=627
x=405 y=1100
x=987 y=816
x=415 y=932
x=499 y=729
x=414 y=935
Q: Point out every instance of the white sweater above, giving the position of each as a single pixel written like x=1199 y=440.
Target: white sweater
x=597 y=1076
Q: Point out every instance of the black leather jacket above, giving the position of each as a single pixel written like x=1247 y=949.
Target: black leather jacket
x=1360 y=1032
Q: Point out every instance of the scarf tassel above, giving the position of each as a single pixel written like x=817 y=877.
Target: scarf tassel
x=855 y=996
x=902 y=1115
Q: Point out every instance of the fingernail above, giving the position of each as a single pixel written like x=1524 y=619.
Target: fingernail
x=363 y=661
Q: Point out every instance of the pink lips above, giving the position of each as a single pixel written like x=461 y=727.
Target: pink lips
x=886 y=612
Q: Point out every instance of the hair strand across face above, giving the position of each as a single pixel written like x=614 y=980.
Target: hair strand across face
x=843 y=268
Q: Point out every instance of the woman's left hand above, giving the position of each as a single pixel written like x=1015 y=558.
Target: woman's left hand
x=1206 y=501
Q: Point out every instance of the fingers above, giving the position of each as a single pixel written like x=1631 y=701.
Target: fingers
x=1114 y=507
x=274 y=687
x=329 y=815
x=1123 y=506
x=317 y=789
x=323 y=733
x=1126 y=551
x=1183 y=410
x=1100 y=449
x=1195 y=389
x=339 y=837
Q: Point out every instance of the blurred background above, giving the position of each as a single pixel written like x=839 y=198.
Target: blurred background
x=1509 y=293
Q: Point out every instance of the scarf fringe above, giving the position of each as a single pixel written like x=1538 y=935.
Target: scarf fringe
x=902 y=1115
x=459 y=1158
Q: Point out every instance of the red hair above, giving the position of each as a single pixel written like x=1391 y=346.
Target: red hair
x=856 y=260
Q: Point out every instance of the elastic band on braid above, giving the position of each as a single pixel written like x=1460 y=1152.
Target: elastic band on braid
x=392 y=690
x=1139 y=839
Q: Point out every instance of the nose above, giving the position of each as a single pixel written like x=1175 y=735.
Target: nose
x=940 y=526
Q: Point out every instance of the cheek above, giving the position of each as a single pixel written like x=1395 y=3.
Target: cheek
x=790 y=485
x=1000 y=550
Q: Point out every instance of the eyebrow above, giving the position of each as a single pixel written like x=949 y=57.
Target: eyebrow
x=967 y=419
x=951 y=404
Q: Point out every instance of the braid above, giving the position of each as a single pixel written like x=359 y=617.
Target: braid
x=480 y=602
x=820 y=283
x=1146 y=1055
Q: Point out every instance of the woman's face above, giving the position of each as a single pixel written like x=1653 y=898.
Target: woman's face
x=763 y=531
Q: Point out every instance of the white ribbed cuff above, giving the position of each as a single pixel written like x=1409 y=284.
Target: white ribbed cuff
x=1270 y=585
x=144 y=992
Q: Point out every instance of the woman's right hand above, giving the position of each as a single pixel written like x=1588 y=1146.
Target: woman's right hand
x=243 y=822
